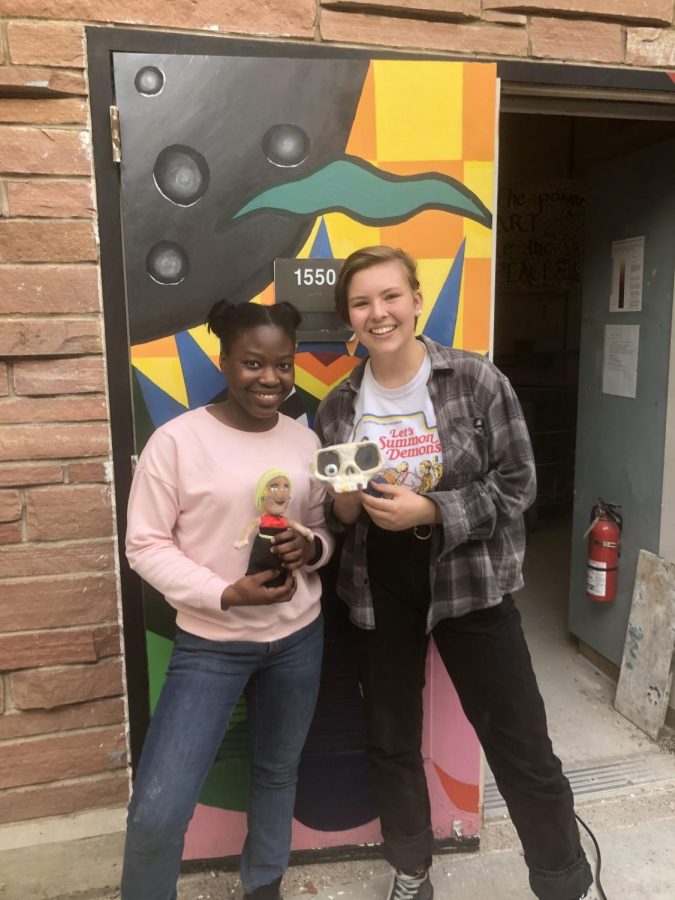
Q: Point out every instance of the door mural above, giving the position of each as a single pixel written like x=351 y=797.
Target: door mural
x=229 y=163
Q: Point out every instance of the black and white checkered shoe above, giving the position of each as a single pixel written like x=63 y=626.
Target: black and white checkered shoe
x=411 y=886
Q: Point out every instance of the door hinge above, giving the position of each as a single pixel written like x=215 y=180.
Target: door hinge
x=115 y=134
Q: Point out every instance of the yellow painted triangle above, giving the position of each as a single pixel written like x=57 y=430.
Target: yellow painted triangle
x=206 y=341
x=166 y=373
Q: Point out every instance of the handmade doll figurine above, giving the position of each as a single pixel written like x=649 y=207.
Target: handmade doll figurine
x=272 y=496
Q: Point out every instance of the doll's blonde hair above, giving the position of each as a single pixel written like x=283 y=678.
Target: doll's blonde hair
x=263 y=481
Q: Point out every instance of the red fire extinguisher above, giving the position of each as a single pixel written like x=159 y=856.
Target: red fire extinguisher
x=604 y=537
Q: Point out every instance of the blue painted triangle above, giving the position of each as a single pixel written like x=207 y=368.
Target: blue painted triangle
x=443 y=319
x=321 y=248
x=160 y=405
x=203 y=380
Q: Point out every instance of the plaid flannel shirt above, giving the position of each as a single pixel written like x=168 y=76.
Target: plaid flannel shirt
x=488 y=481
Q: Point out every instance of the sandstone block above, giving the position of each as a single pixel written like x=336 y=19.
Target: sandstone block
x=576 y=39
x=48 y=688
x=37 y=79
x=450 y=9
x=506 y=18
x=29 y=442
x=50 y=337
x=289 y=18
x=29 y=649
x=4 y=379
x=48 y=290
x=658 y=12
x=29 y=560
x=79 y=375
x=31 y=241
x=61 y=756
x=652 y=47
x=33 y=43
x=107 y=640
x=57 y=111
x=66 y=797
x=483 y=37
x=37 y=151
x=10 y=506
x=20 y=475
x=54 y=602
x=50 y=199
x=16 y=724
x=88 y=472
x=15 y=410
x=11 y=533
x=69 y=512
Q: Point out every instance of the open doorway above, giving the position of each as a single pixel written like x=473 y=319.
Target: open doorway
x=547 y=170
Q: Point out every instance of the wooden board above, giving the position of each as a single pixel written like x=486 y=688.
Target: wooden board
x=647 y=665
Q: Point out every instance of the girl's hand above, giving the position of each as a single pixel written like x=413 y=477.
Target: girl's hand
x=293 y=549
x=399 y=508
x=250 y=590
x=347 y=505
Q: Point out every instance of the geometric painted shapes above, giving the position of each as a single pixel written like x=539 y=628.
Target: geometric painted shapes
x=479 y=92
x=363 y=136
x=647 y=666
x=286 y=145
x=208 y=341
x=462 y=795
x=161 y=406
x=149 y=81
x=479 y=179
x=164 y=371
x=409 y=95
x=181 y=174
x=440 y=326
x=203 y=380
x=167 y=262
x=365 y=193
x=475 y=325
x=321 y=248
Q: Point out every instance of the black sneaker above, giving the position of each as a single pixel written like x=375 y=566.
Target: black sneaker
x=266 y=892
x=411 y=886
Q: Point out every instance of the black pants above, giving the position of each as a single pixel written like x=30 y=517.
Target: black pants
x=487 y=659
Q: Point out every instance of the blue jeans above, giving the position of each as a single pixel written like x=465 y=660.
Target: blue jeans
x=204 y=681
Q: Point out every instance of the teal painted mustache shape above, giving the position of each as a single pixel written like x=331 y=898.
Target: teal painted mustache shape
x=365 y=193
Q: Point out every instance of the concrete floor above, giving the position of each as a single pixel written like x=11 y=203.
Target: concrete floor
x=624 y=785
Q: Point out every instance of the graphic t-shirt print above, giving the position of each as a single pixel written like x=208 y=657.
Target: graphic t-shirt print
x=410 y=446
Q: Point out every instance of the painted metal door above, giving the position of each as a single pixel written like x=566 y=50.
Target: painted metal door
x=231 y=162
x=621 y=436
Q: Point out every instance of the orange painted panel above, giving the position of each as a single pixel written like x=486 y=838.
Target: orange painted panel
x=478 y=129
x=476 y=311
x=431 y=234
x=363 y=137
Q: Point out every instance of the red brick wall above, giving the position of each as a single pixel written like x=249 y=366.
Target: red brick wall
x=62 y=746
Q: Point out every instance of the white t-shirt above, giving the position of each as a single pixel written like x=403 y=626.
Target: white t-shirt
x=402 y=422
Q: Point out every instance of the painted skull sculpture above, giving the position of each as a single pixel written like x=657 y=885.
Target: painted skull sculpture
x=348 y=467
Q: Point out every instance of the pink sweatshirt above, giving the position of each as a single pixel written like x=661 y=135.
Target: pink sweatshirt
x=192 y=493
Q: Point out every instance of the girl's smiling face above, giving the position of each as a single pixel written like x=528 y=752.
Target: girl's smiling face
x=260 y=375
x=383 y=307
